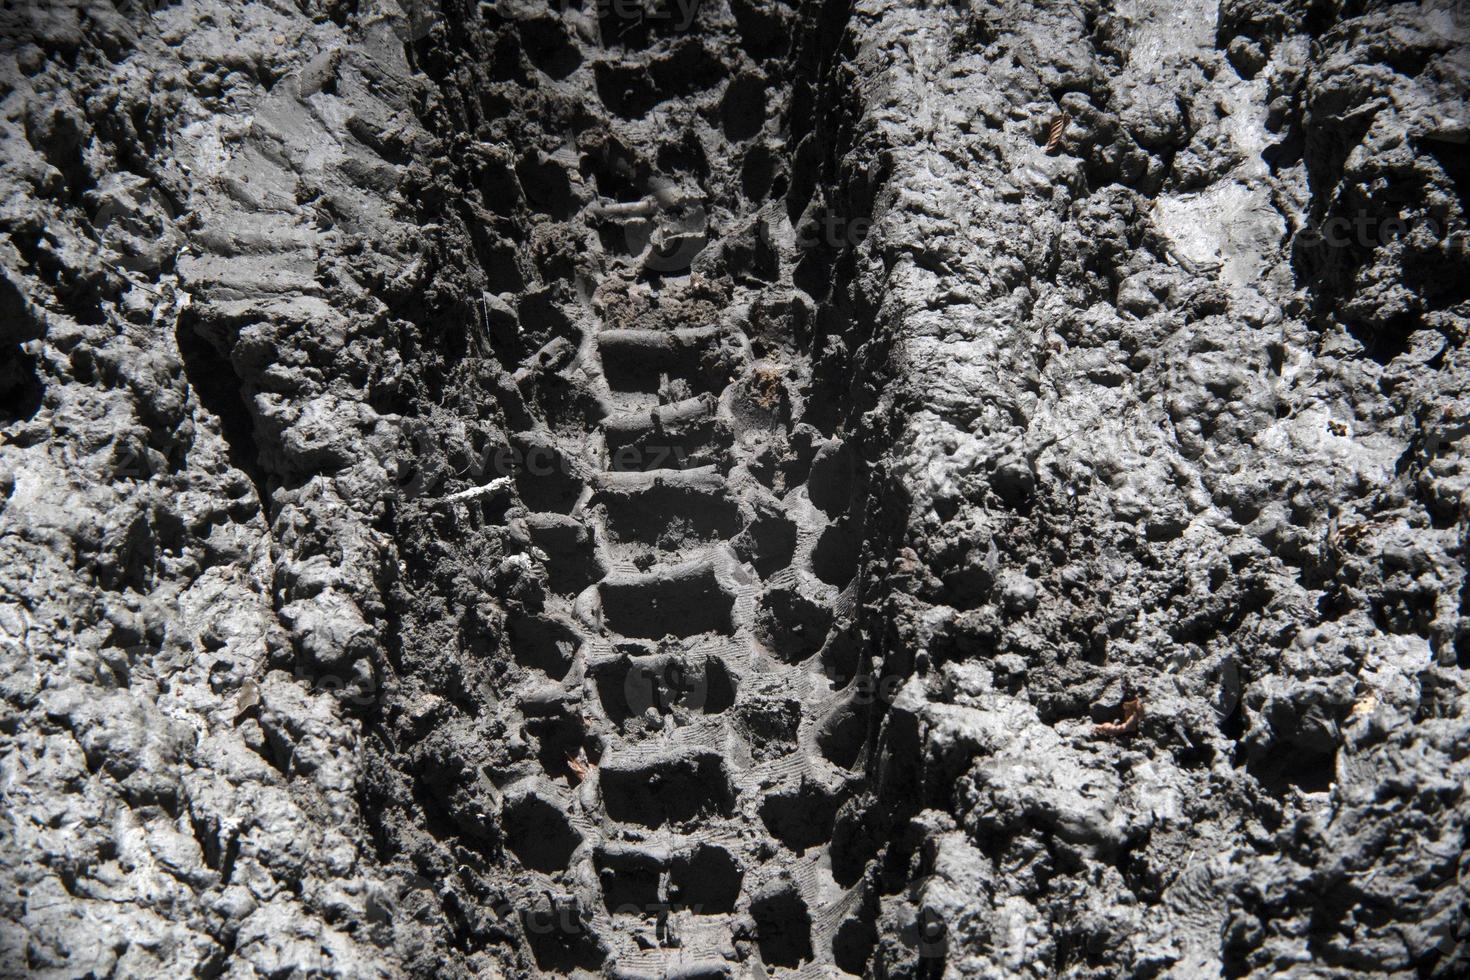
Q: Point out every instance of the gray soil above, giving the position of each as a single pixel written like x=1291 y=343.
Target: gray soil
x=753 y=488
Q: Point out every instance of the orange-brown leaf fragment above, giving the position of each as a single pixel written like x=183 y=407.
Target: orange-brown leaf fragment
x=1132 y=716
x=579 y=766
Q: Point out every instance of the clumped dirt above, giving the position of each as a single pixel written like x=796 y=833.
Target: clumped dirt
x=737 y=489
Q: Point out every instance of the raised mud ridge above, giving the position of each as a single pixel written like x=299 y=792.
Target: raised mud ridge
x=753 y=489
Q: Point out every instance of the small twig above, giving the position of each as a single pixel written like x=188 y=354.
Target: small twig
x=494 y=486
x=131 y=281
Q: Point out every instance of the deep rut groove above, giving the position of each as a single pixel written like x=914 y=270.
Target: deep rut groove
x=694 y=522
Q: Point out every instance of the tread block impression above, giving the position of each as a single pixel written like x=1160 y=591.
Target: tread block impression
x=561 y=936
x=639 y=360
x=706 y=880
x=830 y=484
x=629 y=686
x=835 y=558
x=791 y=622
x=545 y=477
x=537 y=832
x=770 y=723
x=571 y=551
x=544 y=644
x=783 y=925
x=683 y=601
x=629 y=877
x=801 y=816
x=842 y=734
x=671 y=787
x=706 y=970
x=670 y=514
x=768 y=540
x=680 y=436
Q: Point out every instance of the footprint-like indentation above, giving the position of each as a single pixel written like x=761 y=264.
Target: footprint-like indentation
x=829 y=484
x=843 y=732
x=561 y=935
x=559 y=730
x=758 y=172
x=629 y=876
x=639 y=360
x=629 y=686
x=857 y=836
x=835 y=558
x=683 y=601
x=680 y=436
x=769 y=723
x=549 y=46
x=790 y=622
x=547 y=185
x=572 y=563
x=853 y=944
x=841 y=655
x=801 y=816
x=760 y=401
x=634 y=360
x=626 y=89
x=652 y=789
x=768 y=540
x=537 y=832
x=545 y=477
x=706 y=879
x=669 y=513
x=743 y=108
x=783 y=925
x=544 y=644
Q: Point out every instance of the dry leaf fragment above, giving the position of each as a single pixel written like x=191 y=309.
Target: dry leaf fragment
x=247 y=699
x=579 y=766
x=1058 y=127
x=1132 y=716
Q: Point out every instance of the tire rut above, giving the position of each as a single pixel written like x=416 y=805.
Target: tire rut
x=681 y=667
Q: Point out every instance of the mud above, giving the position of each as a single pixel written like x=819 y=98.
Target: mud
x=733 y=489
